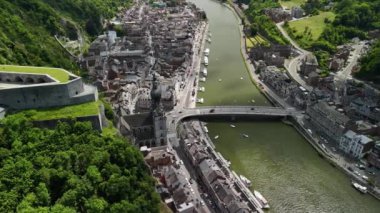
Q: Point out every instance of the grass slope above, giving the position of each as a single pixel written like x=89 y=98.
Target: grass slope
x=58 y=74
x=80 y=110
x=316 y=24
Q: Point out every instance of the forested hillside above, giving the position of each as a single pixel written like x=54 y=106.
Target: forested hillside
x=27 y=28
x=70 y=169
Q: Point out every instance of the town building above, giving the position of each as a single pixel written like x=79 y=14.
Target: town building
x=309 y=64
x=327 y=121
x=297 y=12
x=355 y=145
x=374 y=156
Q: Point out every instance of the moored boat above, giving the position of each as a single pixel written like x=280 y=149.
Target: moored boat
x=233 y=126
x=246 y=181
x=245 y=135
x=206 y=60
x=261 y=198
x=359 y=187
x=207 y=52
x=216 y=137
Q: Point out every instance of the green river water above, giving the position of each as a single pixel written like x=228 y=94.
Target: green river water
x=279 y=162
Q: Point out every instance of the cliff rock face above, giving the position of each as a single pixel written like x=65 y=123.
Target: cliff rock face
x=28 y=27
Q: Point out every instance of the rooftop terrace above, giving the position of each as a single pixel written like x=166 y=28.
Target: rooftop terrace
x=60 y=75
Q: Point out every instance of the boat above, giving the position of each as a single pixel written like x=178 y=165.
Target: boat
x=233 y=126
x=253 y=101
x=207 y=52
x=241 y=78
x=216 y=137
x=204 y=72
x=209 y=40
x=200 y=100
x=359 y=187
x=246 y=181
x=201 y=89
x=261 y=198
x=203 y=79
x=206 y=60
x=206 y=129
x=245 y=135
x=220 y=80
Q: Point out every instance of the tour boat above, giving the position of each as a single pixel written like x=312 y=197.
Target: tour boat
x=245 y=135
x=245 y=180
x=207 y=52
x=216 y=137
x=261 y=198
x=359 y=187
x=233 y=126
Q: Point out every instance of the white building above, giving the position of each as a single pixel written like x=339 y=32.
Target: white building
x=355 y=145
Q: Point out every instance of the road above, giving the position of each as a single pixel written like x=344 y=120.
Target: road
x=353 y=60
x=292 y=68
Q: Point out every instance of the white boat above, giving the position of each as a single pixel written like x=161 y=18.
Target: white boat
x=241 y=78
x=245 y=180
x=206 y=60
x=203 y=79
x=206 y=129
x=202 y=89
x=233 y=126
x=245 y=135
x=261 y=198
x=253 y=101
x=207 y=52
x=216 y=137
x=200 y=100
x=204 y=72
x=359 y=187
x=220 y=80
x=209 y=40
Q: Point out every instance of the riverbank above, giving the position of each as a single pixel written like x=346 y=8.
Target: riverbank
x=295 y=122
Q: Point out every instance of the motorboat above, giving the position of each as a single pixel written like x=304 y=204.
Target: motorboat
x=245 y=135
x=220 y=80
x=207 y=52
x=200 y=100
x=203 y=79
x=246 y=181
x=209 y=40
x=359 y=187
x=261 y=198
x=201 y=89
x=206 y=129
x=216 y=137
x=241 y=78
x=233 y=126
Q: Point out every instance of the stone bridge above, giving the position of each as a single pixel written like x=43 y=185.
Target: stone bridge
x=174 y=117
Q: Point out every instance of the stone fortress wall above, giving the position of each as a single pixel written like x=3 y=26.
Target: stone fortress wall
x=42 y=91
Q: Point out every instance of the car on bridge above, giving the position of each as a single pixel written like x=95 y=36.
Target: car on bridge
x=212 y=110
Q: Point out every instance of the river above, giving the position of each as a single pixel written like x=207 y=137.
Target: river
x=280 y=163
